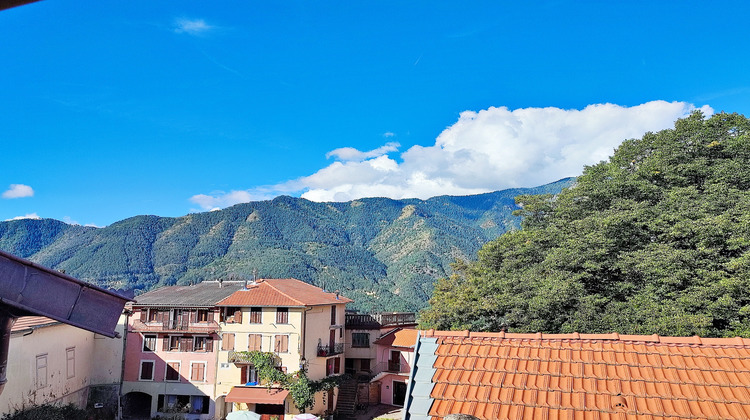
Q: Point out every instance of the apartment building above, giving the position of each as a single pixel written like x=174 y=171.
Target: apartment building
x=171 y=351
x=301 y=324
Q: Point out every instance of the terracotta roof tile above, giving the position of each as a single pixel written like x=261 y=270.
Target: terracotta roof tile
x=25 y=323
x=282 y=292
x=589 y=376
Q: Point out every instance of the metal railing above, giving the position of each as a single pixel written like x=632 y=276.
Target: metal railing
x=330 y=350
x=391 y=367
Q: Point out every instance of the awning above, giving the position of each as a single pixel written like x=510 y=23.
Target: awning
x=256 y=395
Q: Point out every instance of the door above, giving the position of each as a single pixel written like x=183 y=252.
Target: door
x=399 y=393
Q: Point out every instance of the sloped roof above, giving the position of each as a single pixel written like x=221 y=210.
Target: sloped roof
x=204 y=294
x=26 y=323
x=399 y=337
x=282 y=292
x=579 y=376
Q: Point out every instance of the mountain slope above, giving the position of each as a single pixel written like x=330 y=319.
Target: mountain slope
x=386 y=254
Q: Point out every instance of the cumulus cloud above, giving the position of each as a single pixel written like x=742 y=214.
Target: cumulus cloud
x=33 y=216
x=18 y=191
x=217 y=200
x=487 y=150
x=191 y=26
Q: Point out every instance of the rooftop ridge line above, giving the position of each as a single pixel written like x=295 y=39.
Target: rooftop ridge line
x=653 y=338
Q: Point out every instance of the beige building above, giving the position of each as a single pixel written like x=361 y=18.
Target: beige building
x=52 y=362
x=302 y=324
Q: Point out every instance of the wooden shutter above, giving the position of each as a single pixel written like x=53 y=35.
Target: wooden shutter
x=165 y=343
x=227 y=341
x=254 y=342
x=238 y=316
x=210 y=344
x=144 y=311
x=186 y=343
x=281 y=344
x=193 y=316
x=243 y=375
x=337 y=365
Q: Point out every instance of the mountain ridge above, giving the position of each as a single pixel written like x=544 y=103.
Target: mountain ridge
x=385 y=254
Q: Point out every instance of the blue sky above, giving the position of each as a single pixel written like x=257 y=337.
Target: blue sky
x=114 y=109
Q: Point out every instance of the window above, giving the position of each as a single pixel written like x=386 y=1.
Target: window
x=147 y=370
x=202 y=315
x=202 y=343
x=282 y=315
x=360 y=339
x=281 y=344
x=41 y=370
x=198 y=371
x=333 y=314
x=173 y=403
x=70 y=361
x=174 y=343
x=173 y=372
x=227 y=341
x=248 y=374
x=233 y=315
x=153 y=315
x=256 y=315
x=199 y=404
x=254 y=342
x=149 y=342
x=329 y=367
x=364 y=364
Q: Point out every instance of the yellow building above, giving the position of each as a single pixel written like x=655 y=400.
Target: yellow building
x=302 y=324
x=52 y=362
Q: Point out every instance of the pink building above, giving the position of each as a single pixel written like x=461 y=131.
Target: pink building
x=394 y=359
x=170 y=351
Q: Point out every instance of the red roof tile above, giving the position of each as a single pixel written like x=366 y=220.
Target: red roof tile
x=399 y=337
x=282 y=292
x=589 y=376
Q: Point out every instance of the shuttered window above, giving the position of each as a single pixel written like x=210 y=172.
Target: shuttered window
x=227 y=341
x=254 y=342
x=281 y=344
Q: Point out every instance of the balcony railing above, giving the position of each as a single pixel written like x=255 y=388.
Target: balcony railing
x=328 y=350
x=176 y=326
x=391 y=367
x=380 y=320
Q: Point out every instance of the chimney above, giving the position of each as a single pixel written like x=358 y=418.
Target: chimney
x=221 y=283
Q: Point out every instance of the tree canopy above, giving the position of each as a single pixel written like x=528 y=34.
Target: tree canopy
x=656 y=240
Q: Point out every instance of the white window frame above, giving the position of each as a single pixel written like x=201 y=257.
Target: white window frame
x=70 y=358
x=153 y=370
x=205 y=371
x=143 y=347
x=41 y=381
x=166 y=368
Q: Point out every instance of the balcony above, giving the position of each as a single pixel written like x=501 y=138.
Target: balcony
x=391 y=367
x=381 y=320
x=239 y=357
x=175 y=326
x=325 y=351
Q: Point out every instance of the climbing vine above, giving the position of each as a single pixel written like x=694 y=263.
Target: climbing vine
x=301 y=388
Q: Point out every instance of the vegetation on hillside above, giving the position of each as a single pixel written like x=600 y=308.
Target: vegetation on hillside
x=654 y=240
x=385 y=254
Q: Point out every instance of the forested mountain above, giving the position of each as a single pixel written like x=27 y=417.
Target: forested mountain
x=654 y=240
x=383 y=253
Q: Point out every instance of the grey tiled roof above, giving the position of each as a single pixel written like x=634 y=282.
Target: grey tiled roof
x=202 y=294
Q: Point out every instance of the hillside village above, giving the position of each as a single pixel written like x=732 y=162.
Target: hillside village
x=495 y=342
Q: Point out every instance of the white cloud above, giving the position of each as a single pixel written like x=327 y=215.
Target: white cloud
x=219 y=199
x=350 y=153
x=33 y=216
x=191 y=26
x=18 y=191
x=487 y=150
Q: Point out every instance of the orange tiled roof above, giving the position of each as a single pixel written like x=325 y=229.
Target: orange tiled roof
x=30 y=322
x=399 y=337
x=282 y=292
x=585 y=376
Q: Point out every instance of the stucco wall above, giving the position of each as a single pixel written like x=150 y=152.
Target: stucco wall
x=52 y=342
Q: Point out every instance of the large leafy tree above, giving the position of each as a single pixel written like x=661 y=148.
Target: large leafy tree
x=654 y=240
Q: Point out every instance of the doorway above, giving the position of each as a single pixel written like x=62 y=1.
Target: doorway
x=399 y=393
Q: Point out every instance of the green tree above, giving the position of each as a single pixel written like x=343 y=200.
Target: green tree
x=654 y=240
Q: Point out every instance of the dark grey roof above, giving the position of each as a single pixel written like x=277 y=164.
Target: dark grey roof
x=202 y=294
